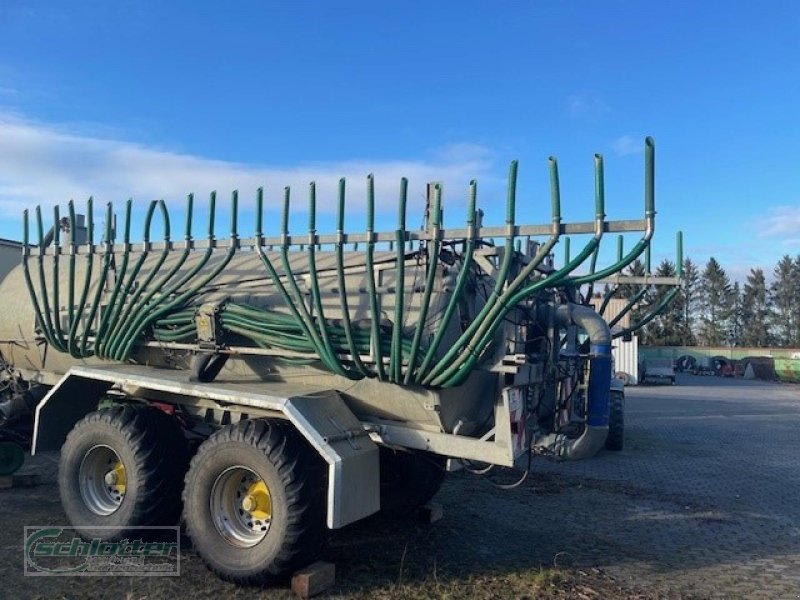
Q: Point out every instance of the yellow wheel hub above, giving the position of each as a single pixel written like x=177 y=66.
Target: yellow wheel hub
x=257 y=501
x=116 y=478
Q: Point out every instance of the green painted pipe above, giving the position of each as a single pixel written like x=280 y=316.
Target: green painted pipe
x=290 y=304
x=118 y=283
x=103 y=349
x=433 y=261
x=455 y=297
x=164 y=309
x=628 y=307
x=340 y=282
x=459 y=371
x=133 y=312
x=606 y=299
x=502 y=275
x=143 y=306
x=487 y=320
x=55 y=275
x=396 y=357
x=377 y=354
x=316 y=298
x=107 y=256
x=27 y=273
x=47 y=325
x=72 y=343
x=311 y=329
x=668 y=297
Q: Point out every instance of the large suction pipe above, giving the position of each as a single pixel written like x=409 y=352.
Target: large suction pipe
x=596 y=431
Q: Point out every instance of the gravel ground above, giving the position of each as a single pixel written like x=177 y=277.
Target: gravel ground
x=702 y=503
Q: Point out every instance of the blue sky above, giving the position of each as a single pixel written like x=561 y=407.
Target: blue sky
x=154 y=99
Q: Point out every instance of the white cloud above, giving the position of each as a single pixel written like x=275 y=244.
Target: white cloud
x=627 y=144
x=781 y=222
x=45 y=164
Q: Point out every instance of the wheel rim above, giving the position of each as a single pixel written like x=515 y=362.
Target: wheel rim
x=241 y=506
x=102 y=480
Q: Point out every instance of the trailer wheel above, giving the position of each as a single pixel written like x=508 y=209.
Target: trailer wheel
x=616 y=421
x=408 y=480
x=122 y=468
x=11 y=457
x=254 y=501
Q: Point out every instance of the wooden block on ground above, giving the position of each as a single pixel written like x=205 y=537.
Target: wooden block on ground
x=430 y=513
x=314 y=579
x=6 y=482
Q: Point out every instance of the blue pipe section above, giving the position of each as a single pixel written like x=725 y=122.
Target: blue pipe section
x=599 y=385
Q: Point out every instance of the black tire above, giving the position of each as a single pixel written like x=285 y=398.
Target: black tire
x=616 y=421
x=408 y=480
x=152 y=448
x=294 y=476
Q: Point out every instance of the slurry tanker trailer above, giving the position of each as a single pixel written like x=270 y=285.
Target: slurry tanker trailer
x=266 y=389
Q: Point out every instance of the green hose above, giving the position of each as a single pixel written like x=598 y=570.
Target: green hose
x=668 y=297
x=72 y=342
x=50 y=333
x=144 y=305
x=500 y=282
x=316 y=298
x=58 y=331
x=330 y=361
x=104 y=349
x=340 y=283
x=396 y=355
x=158 y=309
x=27 y=273
x=119 y=280
x=128 y=319
x=109 y=253
x=433 y=262
x=377 y=354
x=463 y=275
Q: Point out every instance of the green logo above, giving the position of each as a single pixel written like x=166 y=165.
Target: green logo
x=57 y=550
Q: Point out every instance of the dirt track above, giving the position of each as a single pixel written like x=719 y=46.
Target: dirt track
x=702 y=503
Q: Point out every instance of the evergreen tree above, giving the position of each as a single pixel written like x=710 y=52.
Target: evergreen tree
x=755 y=311
x=715 y=303
x=784 y=295
x=690 y=294
x=736 y=319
